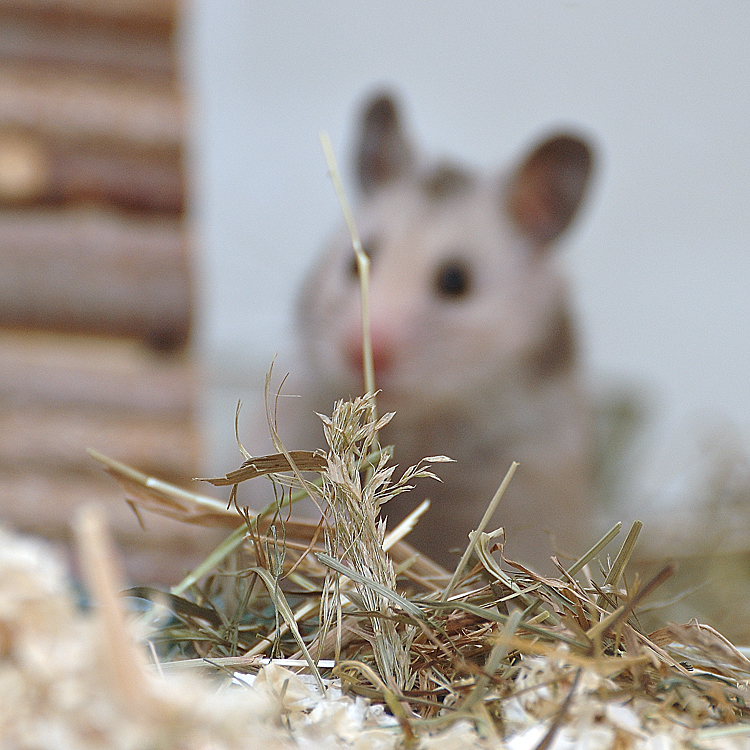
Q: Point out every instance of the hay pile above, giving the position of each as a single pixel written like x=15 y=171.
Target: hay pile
x=339 y=643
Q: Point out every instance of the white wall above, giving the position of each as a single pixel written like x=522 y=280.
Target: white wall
x=662 y=255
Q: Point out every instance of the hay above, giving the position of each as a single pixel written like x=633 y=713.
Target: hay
x=493 y=655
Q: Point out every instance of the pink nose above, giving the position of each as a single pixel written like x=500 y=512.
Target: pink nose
x=382 y=352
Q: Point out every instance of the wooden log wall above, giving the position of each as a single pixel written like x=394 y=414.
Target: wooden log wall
x=91 y=146
x=95 y=290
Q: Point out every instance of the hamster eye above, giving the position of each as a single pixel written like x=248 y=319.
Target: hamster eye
x=370 y=249
x=453 y=280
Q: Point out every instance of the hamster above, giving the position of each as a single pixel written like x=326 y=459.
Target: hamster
x=473 y=334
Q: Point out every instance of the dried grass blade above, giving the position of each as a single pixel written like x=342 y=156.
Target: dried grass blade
x=379 y=588
x=622 y=559
x=491 y=566
x=474 y=536
x=624 y=611
x=498 y=653
x=590 y=554
x=705 y=647
x=214 y=559
x=281 y=604
x=166 y=499
x=549 y=737
x=363 y=262
x=492 y=615
x=272 y=464
x=406 y=526
x=308 y=608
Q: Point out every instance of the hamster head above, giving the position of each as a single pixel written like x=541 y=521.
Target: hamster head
x=465 y=295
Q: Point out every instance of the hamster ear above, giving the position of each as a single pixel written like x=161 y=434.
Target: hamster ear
x=383 y=153
x=546 y=190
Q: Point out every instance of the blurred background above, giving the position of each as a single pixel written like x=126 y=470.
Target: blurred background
x=162 y=192
x=96 y=295
x=658 y=257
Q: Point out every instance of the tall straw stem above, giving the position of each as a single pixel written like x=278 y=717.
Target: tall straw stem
x=363 y=262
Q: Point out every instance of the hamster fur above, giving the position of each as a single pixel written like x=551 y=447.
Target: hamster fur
x=474 y=337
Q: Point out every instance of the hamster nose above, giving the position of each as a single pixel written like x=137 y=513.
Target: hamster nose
x=382 y=352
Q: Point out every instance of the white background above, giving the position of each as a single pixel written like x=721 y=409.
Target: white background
x=661 y=255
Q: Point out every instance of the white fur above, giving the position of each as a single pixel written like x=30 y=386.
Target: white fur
x=455 y=371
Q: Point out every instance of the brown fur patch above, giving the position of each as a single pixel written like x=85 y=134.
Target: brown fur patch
x=444 y=181
x=557 y=352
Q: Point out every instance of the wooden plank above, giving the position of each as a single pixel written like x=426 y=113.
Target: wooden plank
x=37 y=169
x=91 y=131
x=83 y=105
x=118 y=11
x=95 y=270
x=91 y=373
x=31 y=37
x=51 y=438
x=60 y=395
